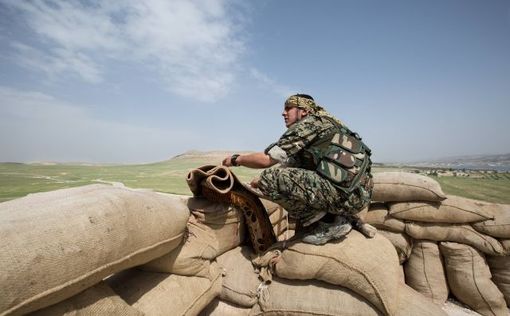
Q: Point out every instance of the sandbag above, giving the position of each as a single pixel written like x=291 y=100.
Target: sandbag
x=224 y=220
x=505 y=243
x=454 y=209
x=368 y=267
x=413 y=303
x=469 y=279
x=286 y=235
x=402 y=277
x=295 y=297
x=221 y=308
x=464 y=234
x=362 y=214
x=280 y=224
x=379 y=217
x=405 y=186
x=498 y=227
x=424 y=271
x=271 y=206
x=277 y=216
x=279 y=220
x=192 y=257
x=97 y=300
x=402 y=243
x=453 y=307
x=59 y=243
x=166 y=294
x=240 y=282
x=500 y=270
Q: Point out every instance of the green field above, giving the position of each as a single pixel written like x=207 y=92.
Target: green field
x=17 y=180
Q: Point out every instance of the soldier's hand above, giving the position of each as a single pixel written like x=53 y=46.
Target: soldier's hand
x=226 y=162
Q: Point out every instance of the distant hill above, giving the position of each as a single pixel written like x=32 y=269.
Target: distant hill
x=213 y=154
x=499 y=162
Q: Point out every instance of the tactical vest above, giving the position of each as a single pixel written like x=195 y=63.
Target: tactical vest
x=344 y=160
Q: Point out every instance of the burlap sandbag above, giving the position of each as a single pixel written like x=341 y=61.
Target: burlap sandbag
x=506 y=246
x=464 y=234
x=402 y=277
x=166 y=294
x=362 y=214
x=413 y=303
x=469 y=279
x=221 y=308
x=97 y=300
x=402 y=243
x=286 y=235
x=192 y=257
x=368 y=267
x=240 y=282
x=500 y=270
x=277 y=216
x=379 y=217
x=59 y=243
x=279 y=219
x=424 y=271
x=271 y=206
x=498 y=227
x=295 y=297
x=280 y=223
x=455 y=210
x=225 y=221
x=405 y=186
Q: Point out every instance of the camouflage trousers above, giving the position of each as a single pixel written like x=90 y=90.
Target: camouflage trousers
x=305 y=194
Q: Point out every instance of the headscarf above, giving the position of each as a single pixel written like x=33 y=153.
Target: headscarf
x=310 y=106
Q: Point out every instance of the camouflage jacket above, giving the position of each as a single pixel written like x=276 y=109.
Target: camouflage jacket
x=320 y=144
x=291 y=149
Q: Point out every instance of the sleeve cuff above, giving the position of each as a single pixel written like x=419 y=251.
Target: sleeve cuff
x=277 y=153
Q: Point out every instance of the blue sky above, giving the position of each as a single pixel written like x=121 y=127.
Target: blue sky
x=141 y=81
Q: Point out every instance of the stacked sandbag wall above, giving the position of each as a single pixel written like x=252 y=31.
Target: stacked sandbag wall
x=160 y=254
x=106 y=250
x=355 y=276
x=444 y=242
x=58 y=244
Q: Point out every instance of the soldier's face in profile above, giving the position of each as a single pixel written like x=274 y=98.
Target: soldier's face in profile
x=292 y=114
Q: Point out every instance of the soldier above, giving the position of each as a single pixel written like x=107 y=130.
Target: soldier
x=324 y=174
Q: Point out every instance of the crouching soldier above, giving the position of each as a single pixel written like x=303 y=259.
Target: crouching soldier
x=324 y=176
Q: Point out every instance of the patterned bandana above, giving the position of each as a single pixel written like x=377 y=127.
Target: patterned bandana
x=302 y=103
x=310 y=106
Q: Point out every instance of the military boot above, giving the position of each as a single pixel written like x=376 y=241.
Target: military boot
x=324 y=232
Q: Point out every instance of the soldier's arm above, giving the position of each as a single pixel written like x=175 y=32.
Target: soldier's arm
x=302 y=133
x=252 y=160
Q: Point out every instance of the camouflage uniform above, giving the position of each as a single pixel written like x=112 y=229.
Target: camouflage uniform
x=296 y=184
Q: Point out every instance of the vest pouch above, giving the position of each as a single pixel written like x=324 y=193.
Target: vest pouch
x=340 y=156
x=332 y=171
x=347 y=142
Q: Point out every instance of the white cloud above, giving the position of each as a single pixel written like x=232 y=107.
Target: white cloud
x=36 y=126
x=267 y=82
x=58 y=61
x=193 y=44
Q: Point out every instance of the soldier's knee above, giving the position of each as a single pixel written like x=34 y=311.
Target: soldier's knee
x=267 y=181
